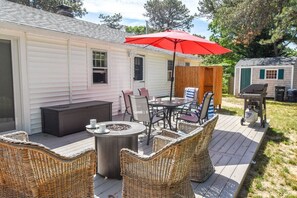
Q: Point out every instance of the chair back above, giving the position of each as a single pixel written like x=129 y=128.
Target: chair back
x=126 y=94
x=14 y=166
x=191 y=93
x=144 y=92
x=179 y=154
x=29 y=169
x=205 y=105
x=140 y=108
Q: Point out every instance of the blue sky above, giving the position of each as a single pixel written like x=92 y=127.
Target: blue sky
x=132 y=12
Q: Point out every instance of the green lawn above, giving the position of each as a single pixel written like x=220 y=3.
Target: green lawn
x=275 y=171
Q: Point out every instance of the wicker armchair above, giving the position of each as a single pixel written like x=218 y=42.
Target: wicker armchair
x=29 y=169
x=202 y=167
x=164 y=173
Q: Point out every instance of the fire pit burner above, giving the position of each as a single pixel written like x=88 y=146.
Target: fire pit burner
x=118 y=127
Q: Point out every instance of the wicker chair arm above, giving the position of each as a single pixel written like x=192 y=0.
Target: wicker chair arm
x=160 y=141
x=169 y=133
x=19 y=135
x=187 y=127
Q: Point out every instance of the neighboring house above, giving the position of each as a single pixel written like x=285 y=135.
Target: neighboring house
x=277 y=71
x=48 y=59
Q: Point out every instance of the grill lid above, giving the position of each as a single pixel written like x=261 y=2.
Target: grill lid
x=255 y=89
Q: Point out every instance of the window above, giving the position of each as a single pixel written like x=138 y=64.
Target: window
x=138 y=68
x=169 y=69
x=100 y=69
x=271 y=74
x=187 y=64
x=277 y=74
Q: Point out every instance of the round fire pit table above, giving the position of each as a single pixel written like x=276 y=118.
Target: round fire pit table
x=108 y=145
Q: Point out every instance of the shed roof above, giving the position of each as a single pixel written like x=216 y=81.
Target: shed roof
x=267 y=61
x=27 y=16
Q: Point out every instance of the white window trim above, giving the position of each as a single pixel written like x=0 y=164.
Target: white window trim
x=168 y=71
x=265 y=77
x=143 y=68
x=107 y=68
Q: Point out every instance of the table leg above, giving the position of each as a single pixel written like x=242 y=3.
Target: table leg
x=108 y=153
x=169 y=117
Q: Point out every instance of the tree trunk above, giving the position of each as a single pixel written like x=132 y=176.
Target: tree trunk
x=275 y=49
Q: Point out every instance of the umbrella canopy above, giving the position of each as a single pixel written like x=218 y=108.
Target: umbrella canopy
x=178 y=41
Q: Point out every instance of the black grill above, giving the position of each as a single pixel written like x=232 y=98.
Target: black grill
x=254 y=95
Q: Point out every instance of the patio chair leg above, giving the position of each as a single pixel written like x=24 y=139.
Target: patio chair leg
x=148 y=135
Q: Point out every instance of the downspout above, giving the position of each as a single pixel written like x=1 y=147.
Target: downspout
x=69 y=70
x=292 y=77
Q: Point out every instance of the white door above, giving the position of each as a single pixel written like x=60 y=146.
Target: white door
x=9 y=87
x=138 y=74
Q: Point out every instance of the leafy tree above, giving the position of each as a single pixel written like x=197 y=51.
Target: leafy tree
x=112 y=21
x=136 y=29
x=51 y=5
x=274 y=21
x=168 y=14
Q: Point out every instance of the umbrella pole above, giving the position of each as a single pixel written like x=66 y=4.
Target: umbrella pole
x=172 y=74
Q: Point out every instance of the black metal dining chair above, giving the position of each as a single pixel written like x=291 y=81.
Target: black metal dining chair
x=128 y=111
x=141 y=113
x=201 y=113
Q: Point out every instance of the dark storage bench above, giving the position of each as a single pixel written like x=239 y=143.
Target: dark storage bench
x=71 y=118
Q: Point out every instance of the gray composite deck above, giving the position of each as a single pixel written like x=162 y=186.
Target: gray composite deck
x=232 y=150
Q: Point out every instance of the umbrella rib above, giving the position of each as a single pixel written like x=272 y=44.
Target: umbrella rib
x=205 y=48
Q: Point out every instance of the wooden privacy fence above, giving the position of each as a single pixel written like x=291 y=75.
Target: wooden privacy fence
x=206 y=78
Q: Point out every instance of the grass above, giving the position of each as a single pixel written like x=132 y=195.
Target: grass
x=275 y=171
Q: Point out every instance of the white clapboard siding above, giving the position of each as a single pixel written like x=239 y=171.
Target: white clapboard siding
x=118 y=79
x=156 y=75
x=79 y=67
x=47 y=75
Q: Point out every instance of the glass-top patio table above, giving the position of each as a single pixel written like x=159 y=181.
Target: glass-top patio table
x=170 y=105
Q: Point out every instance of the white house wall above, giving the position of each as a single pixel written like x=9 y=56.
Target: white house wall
x=156 y=75
x=47 y=76
x=237 y=81
x=60 y=73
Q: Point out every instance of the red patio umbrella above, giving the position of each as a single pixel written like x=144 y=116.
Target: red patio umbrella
x=178 y=41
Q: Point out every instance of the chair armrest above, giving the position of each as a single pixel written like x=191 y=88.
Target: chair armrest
x=19 y=135
x=161 y=141
x=158 y=113
x=187 y=127
x=169 y=133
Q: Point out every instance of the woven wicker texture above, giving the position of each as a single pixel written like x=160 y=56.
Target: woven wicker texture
x=201 y=167
x=29 y=169
x=164 y=173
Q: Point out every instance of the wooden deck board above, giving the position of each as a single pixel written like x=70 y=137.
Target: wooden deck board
x=232 y=150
